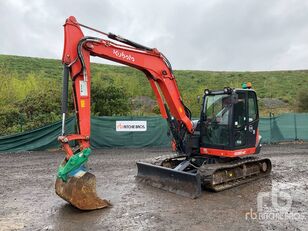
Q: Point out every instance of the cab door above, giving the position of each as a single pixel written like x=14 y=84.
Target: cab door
x=252 y=118
x=239 y=122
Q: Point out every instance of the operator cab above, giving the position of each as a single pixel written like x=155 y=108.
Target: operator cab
x=229 y=122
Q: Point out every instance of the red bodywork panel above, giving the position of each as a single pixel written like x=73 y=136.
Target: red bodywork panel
x=231 y=153
x=228 y=153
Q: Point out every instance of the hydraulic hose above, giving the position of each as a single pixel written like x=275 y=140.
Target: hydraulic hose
x=64 y=95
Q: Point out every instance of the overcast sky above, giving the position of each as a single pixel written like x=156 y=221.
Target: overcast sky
x=201 y=35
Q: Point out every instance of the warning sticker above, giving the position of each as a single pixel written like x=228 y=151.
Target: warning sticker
x=83 y=88
x=82 y=103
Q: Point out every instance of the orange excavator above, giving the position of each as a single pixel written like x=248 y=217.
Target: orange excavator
x=215 y=152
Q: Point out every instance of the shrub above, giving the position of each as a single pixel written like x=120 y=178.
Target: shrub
x=110 y=100
x=302 y=101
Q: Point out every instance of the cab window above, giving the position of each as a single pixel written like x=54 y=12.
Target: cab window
x=252 y=107
x=239 y=111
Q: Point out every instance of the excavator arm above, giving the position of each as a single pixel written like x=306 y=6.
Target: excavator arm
x=76 y=59
x=74 y=183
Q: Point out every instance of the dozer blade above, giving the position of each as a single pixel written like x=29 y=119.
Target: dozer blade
x=80 y=191
x=179 y=182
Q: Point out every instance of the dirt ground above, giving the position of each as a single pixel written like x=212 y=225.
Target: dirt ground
x=28 y=200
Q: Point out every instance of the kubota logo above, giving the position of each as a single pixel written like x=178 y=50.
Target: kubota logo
x=122 y=55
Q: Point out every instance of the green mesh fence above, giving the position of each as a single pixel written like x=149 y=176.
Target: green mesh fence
x=39 y=139
x=286 y=127
x=104 y=134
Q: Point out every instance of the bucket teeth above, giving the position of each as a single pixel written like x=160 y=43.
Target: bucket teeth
x=80 y=192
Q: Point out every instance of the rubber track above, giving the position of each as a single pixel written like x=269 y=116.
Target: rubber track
x=207 y=172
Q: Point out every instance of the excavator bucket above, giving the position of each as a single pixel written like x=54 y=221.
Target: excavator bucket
x=81 y=192
x=79 y=189
x=172 y=180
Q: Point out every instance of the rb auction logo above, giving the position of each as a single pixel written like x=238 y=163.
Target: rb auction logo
x=275 y=205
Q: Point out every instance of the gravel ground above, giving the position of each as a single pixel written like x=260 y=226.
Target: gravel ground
x=28 y=200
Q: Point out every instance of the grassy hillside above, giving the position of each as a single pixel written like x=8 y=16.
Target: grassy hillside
x=283 y=85
x=24 y=76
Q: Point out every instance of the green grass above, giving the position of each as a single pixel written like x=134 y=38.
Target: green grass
x=283 y=85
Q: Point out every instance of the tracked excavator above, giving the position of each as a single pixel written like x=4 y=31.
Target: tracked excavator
x=217 y=152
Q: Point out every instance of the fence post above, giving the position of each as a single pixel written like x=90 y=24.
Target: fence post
x=295 y=126
x=270 y=131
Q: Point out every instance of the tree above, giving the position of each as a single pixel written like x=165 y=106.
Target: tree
x=9 y=119
x=41 y=107
x=110 y=100
x=302 y=101
x=38 y=108
x=41 y=102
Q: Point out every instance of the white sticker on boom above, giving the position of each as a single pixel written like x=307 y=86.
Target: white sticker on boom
x=83 y=88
